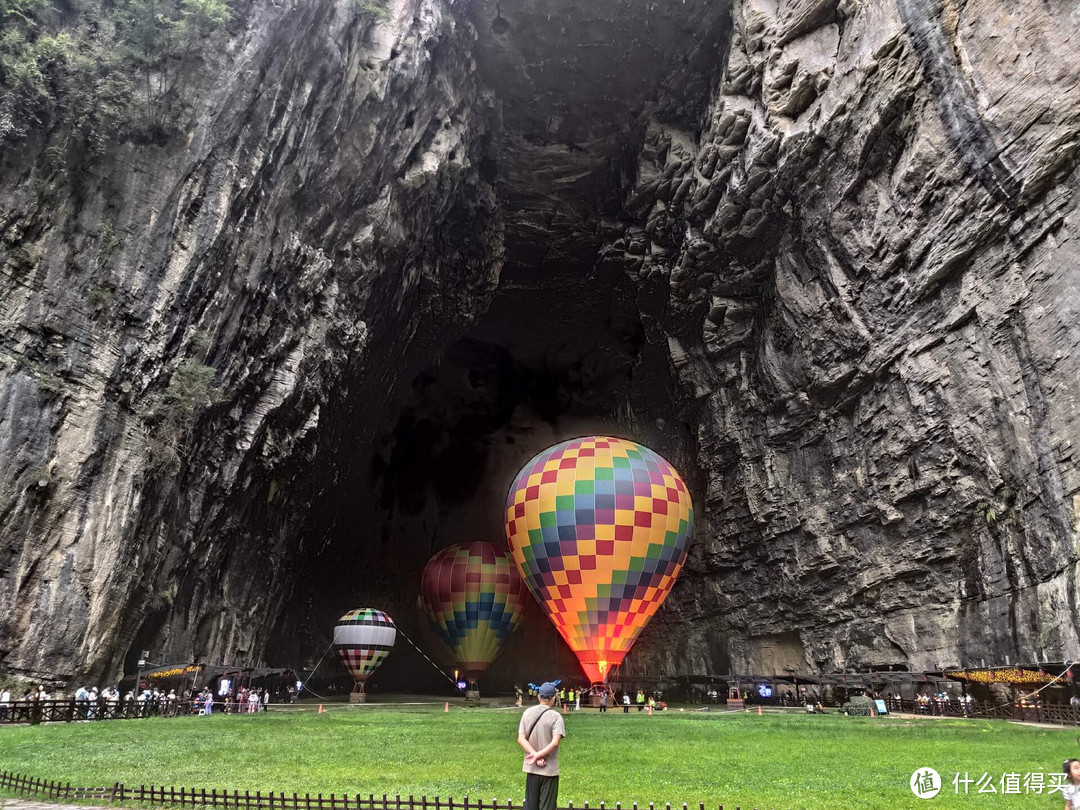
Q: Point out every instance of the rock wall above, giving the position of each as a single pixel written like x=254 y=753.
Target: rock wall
x=846 y=228
x=870 y=265
x=309 y=214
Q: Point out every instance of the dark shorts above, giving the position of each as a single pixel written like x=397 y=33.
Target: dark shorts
x=541 y=792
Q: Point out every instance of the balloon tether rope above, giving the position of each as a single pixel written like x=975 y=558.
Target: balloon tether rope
x=425 y=656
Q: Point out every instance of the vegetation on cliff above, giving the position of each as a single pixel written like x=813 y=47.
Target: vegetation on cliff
x=87 y=74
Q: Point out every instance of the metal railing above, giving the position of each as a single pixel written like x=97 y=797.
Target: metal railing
x=70 y=710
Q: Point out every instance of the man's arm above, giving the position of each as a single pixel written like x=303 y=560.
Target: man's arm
x=523 y=741
x=546 y=751
x=531 y=755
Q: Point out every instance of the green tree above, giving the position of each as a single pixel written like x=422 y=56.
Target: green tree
x=160 y=38
x=112 y=70
x=20 y=10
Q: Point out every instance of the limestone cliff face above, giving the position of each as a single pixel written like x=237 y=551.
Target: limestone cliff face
x=844 y=230
x=310 y=216
x=871 y=267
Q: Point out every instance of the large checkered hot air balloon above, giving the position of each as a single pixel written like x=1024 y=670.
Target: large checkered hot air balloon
x=474 y=598
x=363 y=638
x=599 y=528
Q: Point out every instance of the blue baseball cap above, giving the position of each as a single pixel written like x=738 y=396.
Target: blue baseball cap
x=547 y=690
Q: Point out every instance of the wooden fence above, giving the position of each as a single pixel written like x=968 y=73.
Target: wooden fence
x=201 y=797
x=1054 y=713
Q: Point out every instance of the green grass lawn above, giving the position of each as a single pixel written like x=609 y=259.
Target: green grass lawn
x=775 y=761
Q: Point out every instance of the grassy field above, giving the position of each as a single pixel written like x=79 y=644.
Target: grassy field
x=775 y=761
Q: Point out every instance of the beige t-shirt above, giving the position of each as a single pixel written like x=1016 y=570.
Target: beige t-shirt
x=546 y=729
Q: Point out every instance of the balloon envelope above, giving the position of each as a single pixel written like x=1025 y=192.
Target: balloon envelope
x=474 y=598
x=363 y=638
x=599 y=529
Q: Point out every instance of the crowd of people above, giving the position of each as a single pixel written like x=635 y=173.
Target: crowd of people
x=937 y=703
x=569 y=698
x=91 y=704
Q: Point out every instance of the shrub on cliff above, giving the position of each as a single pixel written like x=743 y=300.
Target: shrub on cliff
x=99 y=72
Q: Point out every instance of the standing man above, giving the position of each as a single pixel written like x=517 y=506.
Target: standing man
x=539 y=733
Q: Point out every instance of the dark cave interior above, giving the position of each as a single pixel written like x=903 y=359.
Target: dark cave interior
x=570 y=344
x=546 y=363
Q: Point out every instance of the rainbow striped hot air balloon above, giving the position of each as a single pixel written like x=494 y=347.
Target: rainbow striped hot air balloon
x=363 y=638
x=599 y=529
x=474 y=598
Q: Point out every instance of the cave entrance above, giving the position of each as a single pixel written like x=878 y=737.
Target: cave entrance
x=548 y=362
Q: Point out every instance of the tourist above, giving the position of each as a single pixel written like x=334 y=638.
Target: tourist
x=539 y=734
x=253 y=702
x=626 y=703
x=603 y=702
x=266 y=700
x=208 y=703
x=1071 y=788
x=82 y=695
x=5 y=703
